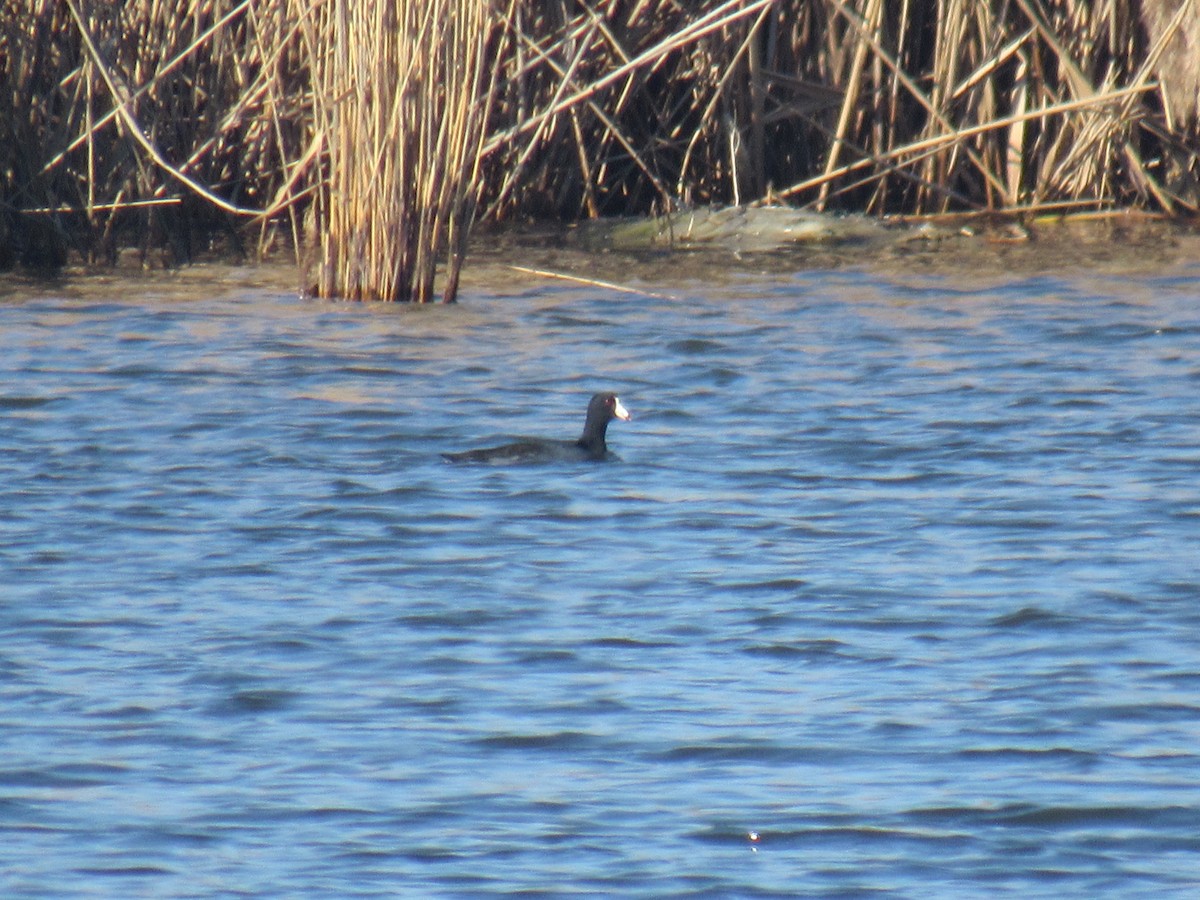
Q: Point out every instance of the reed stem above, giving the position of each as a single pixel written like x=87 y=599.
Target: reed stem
x=369 y=136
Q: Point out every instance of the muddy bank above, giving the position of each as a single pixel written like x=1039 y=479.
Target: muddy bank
x=652 y=255
x=713 y=248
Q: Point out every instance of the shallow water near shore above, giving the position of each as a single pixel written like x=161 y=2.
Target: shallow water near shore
x=894 y=588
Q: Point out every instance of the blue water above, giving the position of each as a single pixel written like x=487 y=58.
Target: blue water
x=894 y=590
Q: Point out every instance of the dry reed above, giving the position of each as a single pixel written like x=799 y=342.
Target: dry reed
x=144 y=114
x=400 y=99
x=368 y=134
x=918 y=107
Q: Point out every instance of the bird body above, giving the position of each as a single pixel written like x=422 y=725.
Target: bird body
x=589 y=447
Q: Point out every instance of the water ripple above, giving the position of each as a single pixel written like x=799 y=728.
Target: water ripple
x=891 y=591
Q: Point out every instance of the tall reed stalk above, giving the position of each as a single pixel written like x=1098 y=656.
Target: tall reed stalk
x=400 y=98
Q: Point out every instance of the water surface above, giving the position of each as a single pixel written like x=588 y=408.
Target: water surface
x=897 y=574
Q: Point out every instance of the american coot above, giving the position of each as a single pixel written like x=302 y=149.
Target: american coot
x=603 y=408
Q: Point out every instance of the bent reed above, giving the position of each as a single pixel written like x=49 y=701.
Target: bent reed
x=368 y=137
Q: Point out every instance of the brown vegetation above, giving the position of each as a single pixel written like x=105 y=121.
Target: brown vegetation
x=369 y=135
